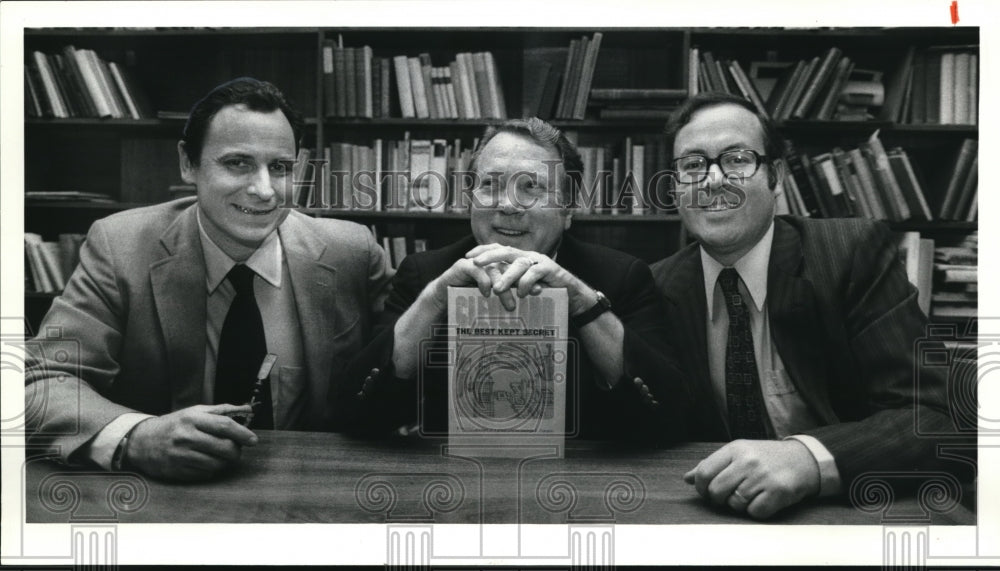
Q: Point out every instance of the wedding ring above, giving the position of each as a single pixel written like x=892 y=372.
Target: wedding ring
x=741 y=497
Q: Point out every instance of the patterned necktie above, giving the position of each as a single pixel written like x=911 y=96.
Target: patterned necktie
x=242 y=348
x=743 y=396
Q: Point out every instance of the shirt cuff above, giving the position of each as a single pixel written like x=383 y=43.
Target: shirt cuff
x=829 y=477
x=102 y=448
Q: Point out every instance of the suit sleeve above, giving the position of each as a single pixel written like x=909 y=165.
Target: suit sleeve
x=905 y=404
x=649 y=358
x=386 y=402
x=74 y=359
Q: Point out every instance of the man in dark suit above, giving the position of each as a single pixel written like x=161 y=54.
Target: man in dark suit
x=796 y=335
x=526 y=173
x=174 y=306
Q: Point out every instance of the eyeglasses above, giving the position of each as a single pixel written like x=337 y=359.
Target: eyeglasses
x=693 y=169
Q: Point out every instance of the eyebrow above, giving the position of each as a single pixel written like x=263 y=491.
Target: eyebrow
x=731 y=147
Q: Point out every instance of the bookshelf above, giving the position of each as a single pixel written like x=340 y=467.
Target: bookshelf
x=134 y=161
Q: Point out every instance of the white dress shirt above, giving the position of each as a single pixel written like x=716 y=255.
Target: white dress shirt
x=788 y=413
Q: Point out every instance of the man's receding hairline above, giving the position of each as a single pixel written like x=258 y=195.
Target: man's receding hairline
x=716 y=105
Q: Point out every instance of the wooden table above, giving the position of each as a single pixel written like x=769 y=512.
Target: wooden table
x=330 y=478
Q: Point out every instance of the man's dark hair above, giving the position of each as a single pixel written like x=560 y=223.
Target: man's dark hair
x=774 y=144
x=257 y=95
x=547 y=136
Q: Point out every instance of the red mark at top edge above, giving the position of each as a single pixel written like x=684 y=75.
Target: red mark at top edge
x=954 y=12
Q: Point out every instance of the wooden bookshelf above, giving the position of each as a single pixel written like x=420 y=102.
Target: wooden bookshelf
x=135 y=161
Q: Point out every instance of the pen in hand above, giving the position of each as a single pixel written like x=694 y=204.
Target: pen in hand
x=265 y=370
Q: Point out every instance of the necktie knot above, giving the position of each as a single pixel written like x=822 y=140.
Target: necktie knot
x=729 y=279
x=241 y=277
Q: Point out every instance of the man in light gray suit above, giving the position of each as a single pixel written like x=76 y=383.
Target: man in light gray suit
x=173 y=307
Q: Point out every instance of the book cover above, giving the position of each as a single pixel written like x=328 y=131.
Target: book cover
x=486 y=104
x=471 y=87
x=912 y=192
x=366 y=100
x=507 y=370
x=973 y=89
x=932 y=88
x=960 y=82
x=895 y=88
x=496 y=87
x=351 y=81
x=433 y=106
x=462 y=102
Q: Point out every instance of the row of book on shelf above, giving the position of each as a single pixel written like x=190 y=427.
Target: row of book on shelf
x=78 y=83
x=48 y=265
x=946 y=277
x=874 y=183
x=937 y=85
x=633 y=177
x=356 y=83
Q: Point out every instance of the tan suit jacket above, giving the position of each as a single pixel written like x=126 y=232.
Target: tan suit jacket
x=133 y=320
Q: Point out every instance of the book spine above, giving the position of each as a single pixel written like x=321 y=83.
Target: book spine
x=800 y=85
x=367 y=81
x=329 y=86
x=385 y=87
x=966 y=154
x=402 y=66
x=469 y=77
x=932 y=89
x=748 y=87
x=90 y=79
x=817 y=82
x=341 y=80
x=117 y=98
x=487 y=105
x=450 y=86
x=913 y=182
x=973 y=90
x=946 y=90
x=460 y=94
x=829 y=102
x=49 y=85
x=564 y=94
x=126 y=96
x=433 y=106
x=867 y=184
x=880 y=164
x=692 y=83
x=351 y=83
x=63 y=84
x=589 y=65
x=496 y=87
x=968 y=196
x=419 y=91
x=958 y=86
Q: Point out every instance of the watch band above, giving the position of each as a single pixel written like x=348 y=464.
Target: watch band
x=593 y=313
x=118 y=458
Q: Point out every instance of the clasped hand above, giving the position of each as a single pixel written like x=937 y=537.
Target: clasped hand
x=193 y=443
x=506 y=271
x=759 y=477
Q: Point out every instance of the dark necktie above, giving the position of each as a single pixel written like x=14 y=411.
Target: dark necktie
x=743 y=396
x=242 y=348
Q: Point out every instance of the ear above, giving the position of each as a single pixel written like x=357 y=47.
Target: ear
x=776 y=177
x=187 y=169
x=568 y=219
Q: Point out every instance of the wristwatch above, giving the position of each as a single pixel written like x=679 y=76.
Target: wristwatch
x=593 y=313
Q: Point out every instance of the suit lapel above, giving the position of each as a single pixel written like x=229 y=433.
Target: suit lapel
x=685 y=291
x=795 y=325
x=178 y=286
x=314 y=286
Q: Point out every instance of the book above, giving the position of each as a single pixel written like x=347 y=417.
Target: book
x=899 y=161
x=433 y=106
x=569 y=77
x=828 y=103
x=587 y=75
x=798 y=88
x=932 y=88
x=329 y=85
x=878 y=160
x=486 y=104
x=778 y=99
x=973 y=89
x=507 y=370
x=967 y=153
x=896 y=87
x=340 y=80
x=747 y=87
x=959 y=83
x=498 y=104
x=946 y=89
x=968 y=196
x=405 y=90
x=818 y=81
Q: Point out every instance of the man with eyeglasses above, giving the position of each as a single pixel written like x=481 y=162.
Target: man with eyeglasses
x=796 y=335
x=621 y=384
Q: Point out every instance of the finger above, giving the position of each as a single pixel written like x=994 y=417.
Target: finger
x=483 y=280
x=689 y=476
x=225 y=409
x=513 y=274
x=709 y=468
x=501 y=254
x=529 y=281
x=506 y=297
x=737 y=501
x=225 y=427
x=536 y=289
x=196 y=465
x=482 y=248
x=724 y=483
x=766 y=504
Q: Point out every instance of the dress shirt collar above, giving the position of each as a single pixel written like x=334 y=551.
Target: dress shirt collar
x=752 y=268
x=265 y=261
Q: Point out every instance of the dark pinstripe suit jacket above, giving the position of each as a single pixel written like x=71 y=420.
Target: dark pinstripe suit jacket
x=844 y=319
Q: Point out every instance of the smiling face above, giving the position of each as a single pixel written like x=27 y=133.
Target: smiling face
x=727 y=228
x=516 y=203
x=243 y=177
